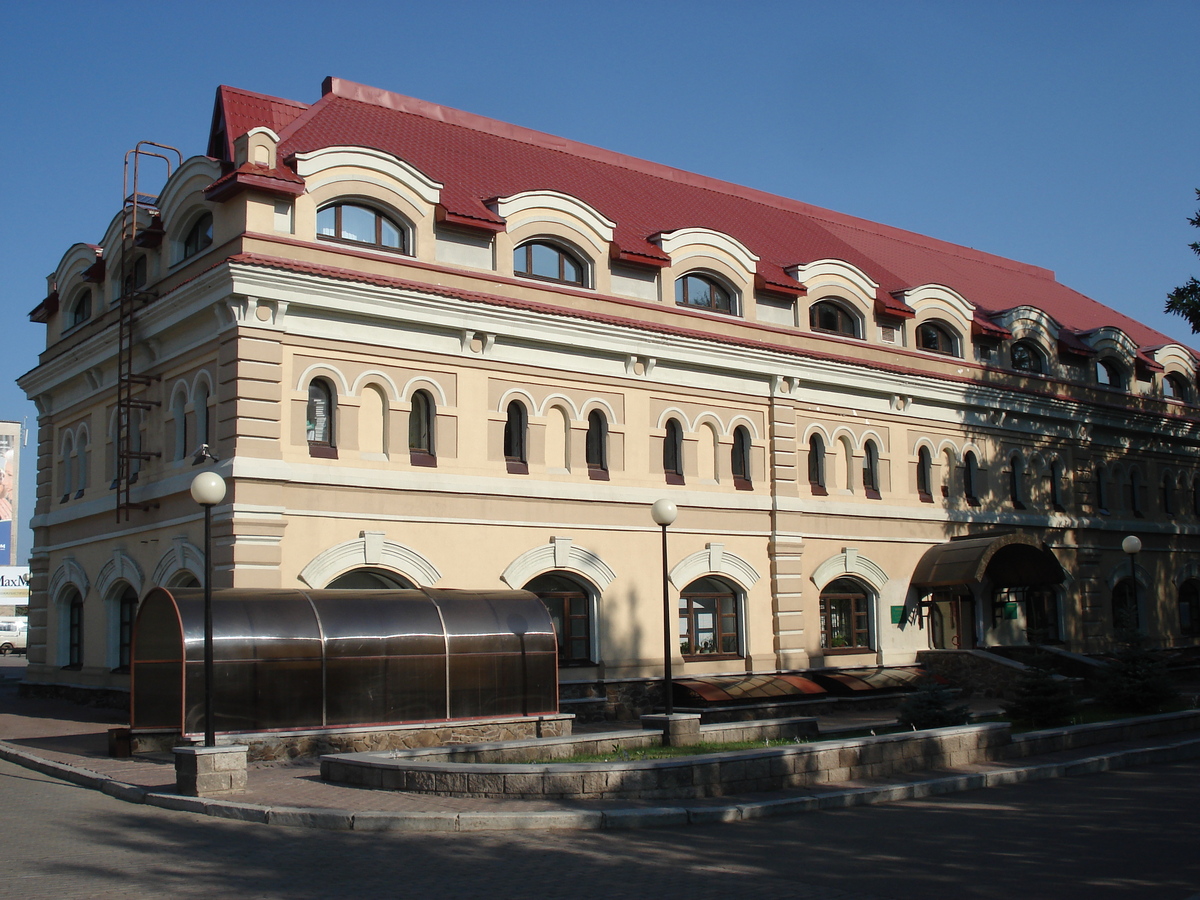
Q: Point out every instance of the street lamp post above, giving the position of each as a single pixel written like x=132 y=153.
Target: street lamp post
x=664 y=512
x=208 y=489
x=1132 y=545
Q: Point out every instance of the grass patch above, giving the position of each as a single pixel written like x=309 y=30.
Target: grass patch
x=636 y=754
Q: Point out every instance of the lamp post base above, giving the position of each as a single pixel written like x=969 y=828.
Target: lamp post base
x=679 y=729
x=210 y=771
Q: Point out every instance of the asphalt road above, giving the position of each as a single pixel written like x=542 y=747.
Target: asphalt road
x=1122 y=834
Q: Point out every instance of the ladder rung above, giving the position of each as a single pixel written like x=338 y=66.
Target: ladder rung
x=142 y=379
x=141 y=404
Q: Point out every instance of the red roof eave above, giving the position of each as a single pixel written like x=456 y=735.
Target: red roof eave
x=248 y=177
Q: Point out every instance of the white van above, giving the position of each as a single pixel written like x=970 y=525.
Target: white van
x=14 y=635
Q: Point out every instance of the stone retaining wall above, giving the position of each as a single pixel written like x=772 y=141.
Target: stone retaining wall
x=719 y=774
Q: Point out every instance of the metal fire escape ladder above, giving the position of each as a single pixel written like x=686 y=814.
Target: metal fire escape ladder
x=131 y=395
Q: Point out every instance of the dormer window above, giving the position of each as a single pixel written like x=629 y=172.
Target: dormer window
x=360 y=225
x=549 y=262
x=199 y=237
x=1027 y=358
x=81 y=311
x=1174 y=387
x=1109 y=374
x=831 y=317
x=936 y=338
x=704 y=292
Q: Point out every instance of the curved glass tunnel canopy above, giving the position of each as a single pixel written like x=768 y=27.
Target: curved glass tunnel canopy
x=293 y=659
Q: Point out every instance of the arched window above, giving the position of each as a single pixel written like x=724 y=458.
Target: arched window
x=1026 y=357
x=816 y=465
x=179 y=418
x=1016 y=483
x=742 y=473
x=322 y=416
x=422 y=417
x=673 y=452
x=1057 y=478
x=845 y=616
x=361 y=225
x=516 y=434
x=570 y=607
x=66 y=466
x=870 y=470
x=127 y=604
x=596 y=449
x=136 y=276
x=971 y=478
x=1109 y=374
x=1126 y=616
x=1189 y=608
x=1174 y=387
x=81 y=462
x=81 y=310
x=925 y=475
x=704 y=292
x=831 y=317
x=936 y=338
x=709 y=619
x=1135 y=497
x=369 y=578
x=200 y=405
x=549 y=262
x=1168 y=494
x=199 y=237
x=74 y=630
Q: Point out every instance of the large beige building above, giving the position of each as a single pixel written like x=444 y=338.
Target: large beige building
x=429 y=348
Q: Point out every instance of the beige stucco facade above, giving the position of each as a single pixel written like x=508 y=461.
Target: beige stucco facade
x=239 y=330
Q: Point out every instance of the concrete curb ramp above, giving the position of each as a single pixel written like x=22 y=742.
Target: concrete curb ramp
x=633 y=817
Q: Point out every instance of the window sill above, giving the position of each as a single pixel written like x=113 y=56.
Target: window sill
x=818 y=490
x=925 y=496
x=973 y=501
x=516 y=467
x=743 y=484
x=674 y=478
x=704 y=657
x=846 y=651
x=871 y=493
x=322 y=451
x=363 y=245
x=597 y=474
x=423 y=459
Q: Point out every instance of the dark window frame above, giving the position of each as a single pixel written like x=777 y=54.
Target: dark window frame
x=524 y=268
x=325 y=445
x=380 y=217
x=1016 y=482
x=1114 y=374
x=422 y=430
x=198 y=237
x=1125 y=604
x=596 y=446
x=516 y=438
x=870 y=470
x=970 y=477
x=1188 y=601
x=857 y=637
x=74 y=631
x=741 y=460
x=127 y=605
x=1027 y=357
x=816 y=466
x=672 y=457
x=945 y=340
x=726 y=619
x=564 y=594
x=925 y=475
x=720 y=298
x=839 y=320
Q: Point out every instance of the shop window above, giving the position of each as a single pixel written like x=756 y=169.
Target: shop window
x=741 y=459
x=673 y=452
x=924 y=475
x=831 y=317
x=549 y=262
x=321 y=417
x=596 y=445
x=570 y=605
x=359 y=224
x=709 y=620
x=845 y=616
x=816 y=465
x=422 y=417
x=516 y=438
x=704 y=292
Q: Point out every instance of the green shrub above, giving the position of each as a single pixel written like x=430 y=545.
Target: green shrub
x=929 y=706
x=1041 y=700
x=1136 y=680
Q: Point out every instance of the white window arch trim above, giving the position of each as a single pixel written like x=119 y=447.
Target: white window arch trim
x=370 y=549
x=714 y=559
x=850 y=562
x=560 y=554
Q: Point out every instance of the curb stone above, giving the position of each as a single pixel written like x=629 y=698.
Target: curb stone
x=636 y=817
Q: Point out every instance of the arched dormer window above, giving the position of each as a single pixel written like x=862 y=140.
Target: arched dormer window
x=548 y=262
x=971 y=478
x=136 y=276
x=704 y=292
x=516 y=438
x=924 y=475
x=421 y=430
x=596 y=447
x=1026 y=357
x=81 y=309
x=741 y=459
x=870 y=472
x=673 y=452
x=1174 y=387
x=816 y=465
x=198 y=238
x=831 y=317
x=360 y=224
x=937 y=337
x=321 y=419
x=1109 y=374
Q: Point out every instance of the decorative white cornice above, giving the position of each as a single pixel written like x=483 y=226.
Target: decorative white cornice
x=561 y=553
x=714 y=559
x=120 y=567
x=370 y=549
x=311 y=165
x=184 y=556
x=69 y=573
x=519 y=208
x=849 y=562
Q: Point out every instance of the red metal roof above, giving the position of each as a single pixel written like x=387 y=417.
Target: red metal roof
x=479 y=159
x=239 y=111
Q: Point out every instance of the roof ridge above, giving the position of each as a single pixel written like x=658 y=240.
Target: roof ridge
x=237 y=90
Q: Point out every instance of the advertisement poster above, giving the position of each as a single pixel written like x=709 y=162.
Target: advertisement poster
x=10 y=445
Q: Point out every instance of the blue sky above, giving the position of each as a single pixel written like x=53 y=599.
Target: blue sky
x=1063 y=134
